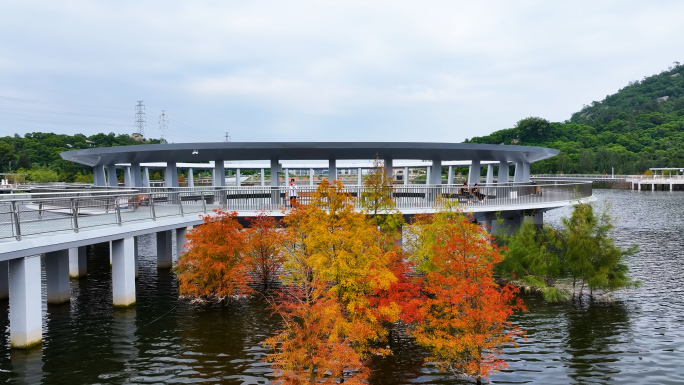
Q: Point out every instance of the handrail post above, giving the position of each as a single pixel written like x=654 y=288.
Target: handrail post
x=74 y=214
x=15 y=216
x=154 y=213
x=118 y=212
x=204 y=202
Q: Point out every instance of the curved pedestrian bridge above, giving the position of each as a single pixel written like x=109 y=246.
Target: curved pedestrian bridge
x=25 y=215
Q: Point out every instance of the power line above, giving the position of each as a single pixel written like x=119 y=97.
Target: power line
x=140 y=118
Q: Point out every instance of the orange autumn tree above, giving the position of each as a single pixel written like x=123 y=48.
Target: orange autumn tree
x=214 y=267
x=463 y=322
x=334 y=262
x=265 y=244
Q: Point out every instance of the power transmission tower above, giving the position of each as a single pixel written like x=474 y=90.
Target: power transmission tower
x=163 y=126
x=227 y=137
x=140 y=118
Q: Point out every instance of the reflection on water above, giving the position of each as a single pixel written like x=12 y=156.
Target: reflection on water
x=635 y=340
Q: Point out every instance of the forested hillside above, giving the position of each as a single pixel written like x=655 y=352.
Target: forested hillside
x=640 y=126
x=37 y=154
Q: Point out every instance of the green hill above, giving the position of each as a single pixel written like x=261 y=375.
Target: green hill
x=37 y=154
x=640 y=126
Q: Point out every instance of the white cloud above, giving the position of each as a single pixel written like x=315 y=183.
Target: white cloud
x=285 y=70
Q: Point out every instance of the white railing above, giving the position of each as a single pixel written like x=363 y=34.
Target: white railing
x=30 y=214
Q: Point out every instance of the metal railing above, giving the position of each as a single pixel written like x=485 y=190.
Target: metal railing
x=31 y=214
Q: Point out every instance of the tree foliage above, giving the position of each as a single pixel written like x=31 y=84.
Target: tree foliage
x=640 y=126
x=583 y=251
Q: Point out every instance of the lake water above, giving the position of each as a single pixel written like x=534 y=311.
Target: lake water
x=638 y=339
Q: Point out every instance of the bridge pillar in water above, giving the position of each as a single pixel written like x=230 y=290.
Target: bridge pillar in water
x=135 y=174
x=218 y=173
x=474 y=172
x=503 y=173
x=111 y=176
x=99 y=176
x=4 y=280
x=136 y=255
x=490 y=174
x=78 y=262
x=180 y=241
x=164 y=250
x=26 y=314
x=57 y=277
x=191 y=178
x=123 y=272
x=171 y=175
x=507 y=223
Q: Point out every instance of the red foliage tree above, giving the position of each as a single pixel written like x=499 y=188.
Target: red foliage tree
x=265 y=249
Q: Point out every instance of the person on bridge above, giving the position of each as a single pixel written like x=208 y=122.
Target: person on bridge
x=292 y=192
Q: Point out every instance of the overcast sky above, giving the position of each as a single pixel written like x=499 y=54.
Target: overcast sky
x=321 y=70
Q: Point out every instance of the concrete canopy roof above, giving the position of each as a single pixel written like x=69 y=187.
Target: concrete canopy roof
x=183 y=152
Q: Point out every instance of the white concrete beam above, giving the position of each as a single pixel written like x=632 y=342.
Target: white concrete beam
x=123 y=272
x=26 y=315
x=57 y=277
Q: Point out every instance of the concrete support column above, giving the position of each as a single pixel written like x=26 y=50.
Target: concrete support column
x=503 y=173
x=237 y=177
x=359 y=176
x=406 y=176
x=180 y=241
x=78 y=262
x=128 y=180
x=123 y=272
x=191 y=177
x=287 y=176
x=435 y=176
x=57 y=276
x=332 y=169
x=474 y=172
x=135 y=174
x=450 y=175
x=219 y=174
x=508 y=224
x=136 y=255
x=490 y=174
x=518 y=173
x=146 y=177
x=171 y=175
x=111 y=176
x=389 y=169
x=99 y=176
x=538 y=218
x=525 y=172
x=311 y=177
x=4 y=280
x=275 y=169
x=164 y=250
x=263 y=178
x=26 y=315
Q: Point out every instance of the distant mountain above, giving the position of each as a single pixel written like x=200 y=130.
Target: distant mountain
x=640 y=126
